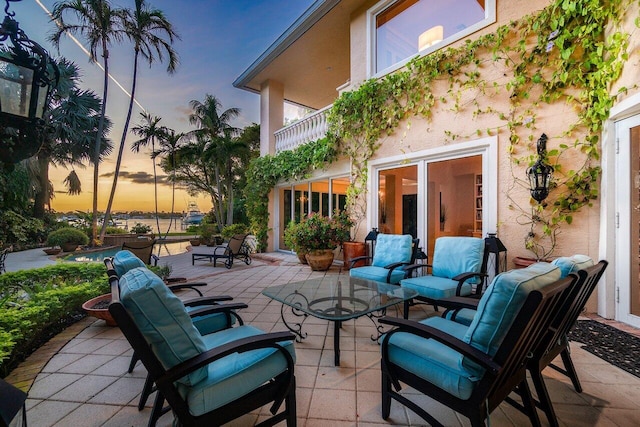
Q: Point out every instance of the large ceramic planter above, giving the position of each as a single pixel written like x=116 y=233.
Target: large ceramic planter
x=302 y=256
x=98 y=308
x=69 y=247
x=353 y=250
x=320 y=259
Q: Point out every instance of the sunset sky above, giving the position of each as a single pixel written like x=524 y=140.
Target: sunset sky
x=219 y=40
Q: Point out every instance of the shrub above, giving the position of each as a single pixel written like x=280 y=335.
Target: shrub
x=67 y=235
x=231 y=230
x=36 y=304
x=140 y=229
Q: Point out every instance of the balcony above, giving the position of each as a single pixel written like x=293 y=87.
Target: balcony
x=310 y=128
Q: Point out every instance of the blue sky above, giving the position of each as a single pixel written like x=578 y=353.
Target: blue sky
x=219 y=40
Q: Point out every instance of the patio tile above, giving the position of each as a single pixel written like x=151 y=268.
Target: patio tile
x=114 y=348
x=88 y=416
x=622 y=417
x=49 y=412
x=130 y=416
x=336 y=378
x=443 y=414
x=120 y=392
x=306 y=376
x=59 y=361
x=84 y=389
x=333 y=405
x=84 y=346
x=370 y=410
x=47 y=386
x=118 y=366
x=368 y=379
x=86 y=364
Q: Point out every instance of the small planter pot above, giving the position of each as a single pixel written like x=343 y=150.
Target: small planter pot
x=320 y=259
x=194 y=242
x=523 y=262
x=98 y=307
x=52 y=251
x=302 y=256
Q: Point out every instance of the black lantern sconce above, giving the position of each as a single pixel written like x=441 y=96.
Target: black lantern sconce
x=495 y=256
x=27 y=75
x=370 y=239
x=540 y=173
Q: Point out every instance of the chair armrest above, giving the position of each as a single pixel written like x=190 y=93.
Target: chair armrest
x=217 y=248
x=194 y=302
x=359 y=258
x=217 y=308
x=237 y=346
x=393 y=266
x=412 y=267
x=154 y=259
x=425 y=331
x=463 y=277
x=180 y=286
x=458 y=303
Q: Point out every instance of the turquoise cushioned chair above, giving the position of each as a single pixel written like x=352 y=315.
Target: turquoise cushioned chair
x=429 y=356
x=393 y=253
x=124 y=261
x=210 y=379
x=457 y=265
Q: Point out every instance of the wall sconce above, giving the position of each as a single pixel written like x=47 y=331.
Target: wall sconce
x=430 y=37
x=540 y=173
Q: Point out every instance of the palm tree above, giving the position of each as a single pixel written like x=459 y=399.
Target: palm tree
x=149 y=132
x=101 y=25
x=215 y=128
x=169 y=146
x=152 y=35
x=73 y=119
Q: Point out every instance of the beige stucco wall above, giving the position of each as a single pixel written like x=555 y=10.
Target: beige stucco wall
x=418 y=134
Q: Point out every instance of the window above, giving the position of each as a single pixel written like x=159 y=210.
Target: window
x=403 y=28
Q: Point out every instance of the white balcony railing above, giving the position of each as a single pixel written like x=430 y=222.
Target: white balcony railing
x=310 y=128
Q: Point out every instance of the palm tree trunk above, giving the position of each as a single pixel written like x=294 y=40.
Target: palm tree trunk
x=107 y=213
x=96 y=154
x=42 y=196
x=155 y=183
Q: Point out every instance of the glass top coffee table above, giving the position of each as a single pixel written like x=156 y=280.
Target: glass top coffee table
x=336 y=299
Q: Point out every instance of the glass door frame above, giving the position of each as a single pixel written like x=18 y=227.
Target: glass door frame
x=624 y=206
x=487 y=148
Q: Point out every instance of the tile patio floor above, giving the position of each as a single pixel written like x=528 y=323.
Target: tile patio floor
x=81 y=379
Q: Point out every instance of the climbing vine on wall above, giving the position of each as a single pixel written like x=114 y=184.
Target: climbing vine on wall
x=568 y=54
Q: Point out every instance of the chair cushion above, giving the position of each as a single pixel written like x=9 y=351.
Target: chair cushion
x=463 y=316
x=433 y=287
x=378 y=274
x=392 y=248
x=124 y=261
x=502 y=301
x=162 y=319
x=210 y=323
x=235 y=375
x=432 y=361
x=455 y=255
x=572 y=264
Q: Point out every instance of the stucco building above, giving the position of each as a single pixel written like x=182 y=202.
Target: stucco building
x=468 y=87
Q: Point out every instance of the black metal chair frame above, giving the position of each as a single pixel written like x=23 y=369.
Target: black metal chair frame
x=505 y=371
x=228 y=252
x=278 y=390
x=556 y=341
x=391 y=267
x=228 y=309
x=476 y=293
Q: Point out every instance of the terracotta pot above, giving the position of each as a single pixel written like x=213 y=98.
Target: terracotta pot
x=302 y=256
x=52 y=251
x=320 y=259
x=194 y=242
x=100 y=312
x=353 y=250
x=522 y=262
x=69 y=247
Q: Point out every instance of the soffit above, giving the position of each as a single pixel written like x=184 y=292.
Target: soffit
x=311 y=59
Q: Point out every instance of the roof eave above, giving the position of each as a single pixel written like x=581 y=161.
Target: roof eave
x=308 y=19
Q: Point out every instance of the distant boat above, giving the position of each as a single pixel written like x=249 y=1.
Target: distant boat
x=194 y=215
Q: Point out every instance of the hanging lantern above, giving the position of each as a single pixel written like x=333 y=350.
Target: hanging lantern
x=27 y=76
